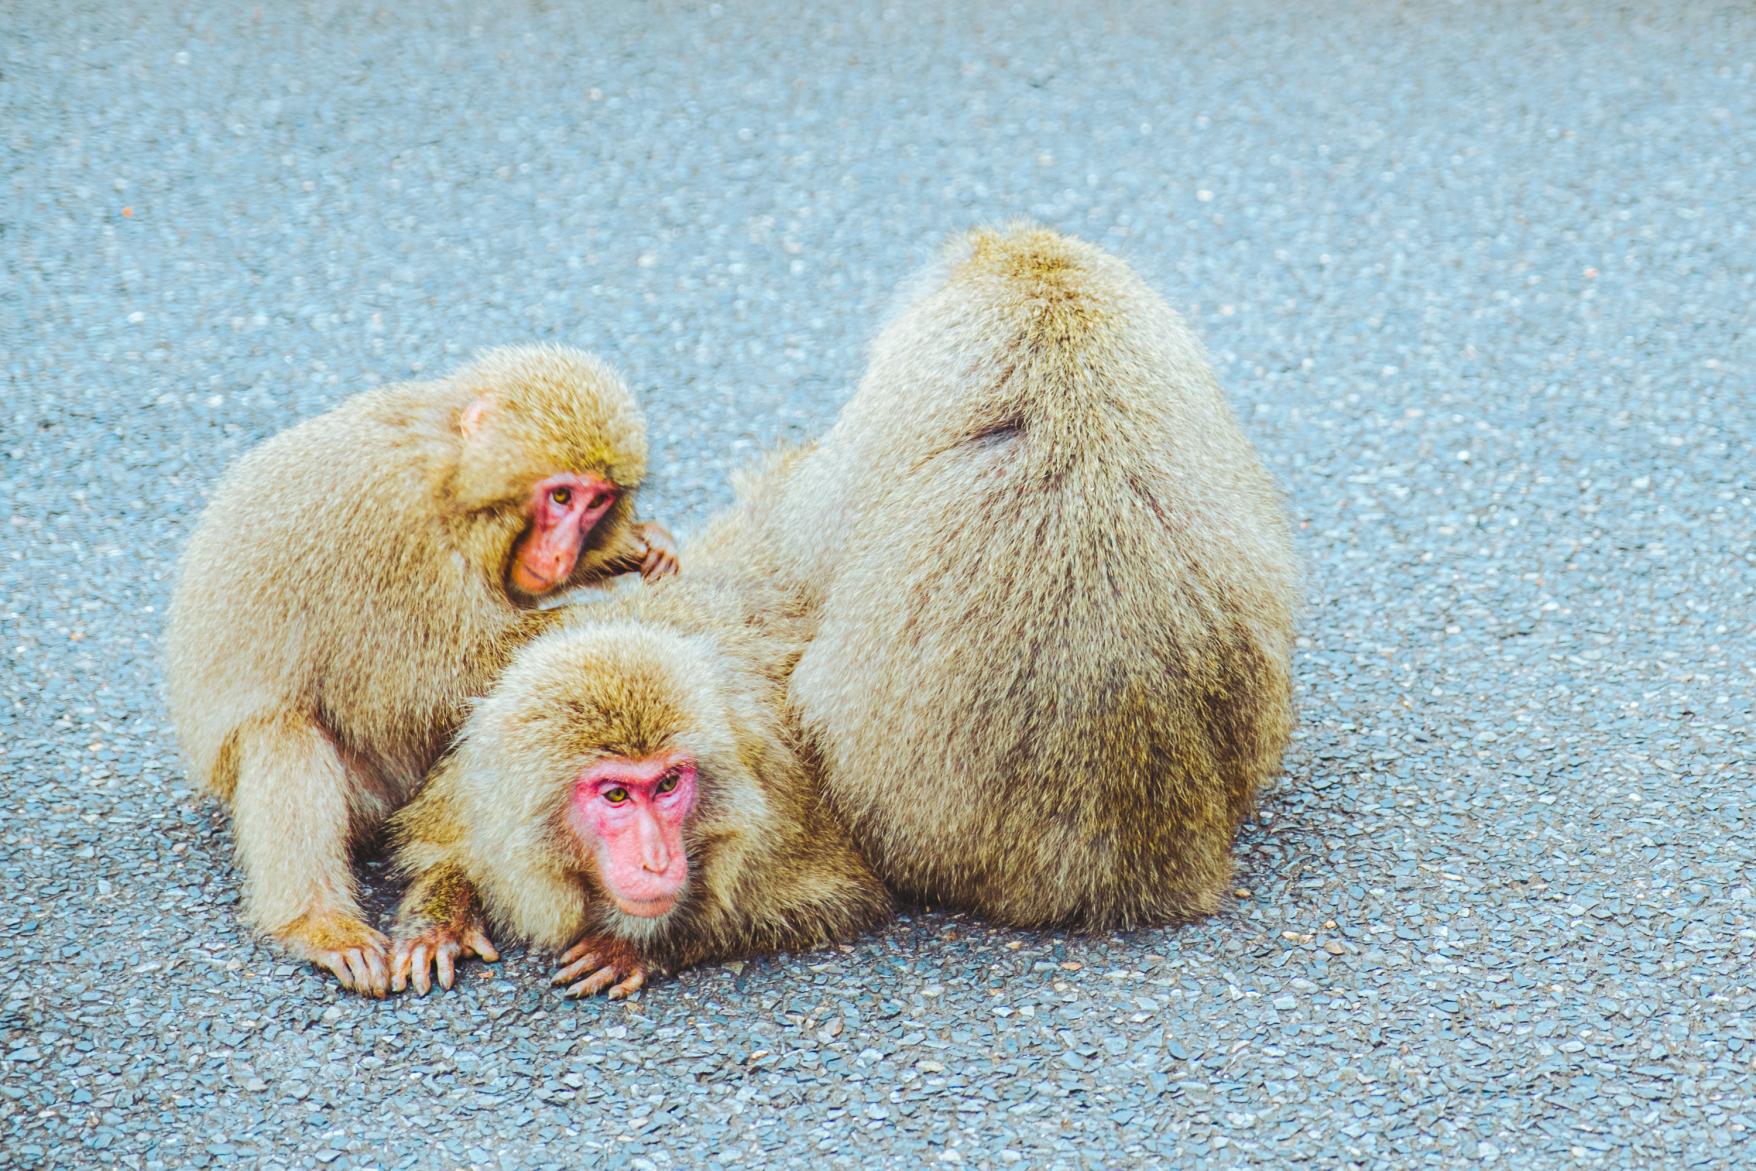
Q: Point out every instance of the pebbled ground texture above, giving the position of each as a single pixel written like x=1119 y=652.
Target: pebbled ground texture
x=1479 y=279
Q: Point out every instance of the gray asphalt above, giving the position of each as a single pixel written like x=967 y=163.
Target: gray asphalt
x=1479 y=278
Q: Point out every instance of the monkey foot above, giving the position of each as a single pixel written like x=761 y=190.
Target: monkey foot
x=435 y=947
x=336 y=940
x=598 y=962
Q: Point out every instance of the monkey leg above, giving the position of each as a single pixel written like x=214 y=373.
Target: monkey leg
x=440 y=920
x=294 y=813
x=598 y=962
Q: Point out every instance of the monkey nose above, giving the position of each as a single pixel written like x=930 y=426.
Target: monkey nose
x=654 y=858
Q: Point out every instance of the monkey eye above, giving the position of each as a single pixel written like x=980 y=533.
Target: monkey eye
x=668 y=784
x=561 y=496
x=601 y=500
x=616 y=796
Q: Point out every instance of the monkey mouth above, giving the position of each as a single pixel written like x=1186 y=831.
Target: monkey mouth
x=645 y=908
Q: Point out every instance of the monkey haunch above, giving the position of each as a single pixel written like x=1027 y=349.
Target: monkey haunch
x=1055 y=595
x=356 y=579
x=633 y=786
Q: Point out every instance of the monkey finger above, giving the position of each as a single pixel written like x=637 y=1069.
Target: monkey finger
x=422 y=970
x=332 y=962
x=360 y=978
x=587 y=962
x=399 y=966
x=634 y=983
x=379 y=971
x=479 y=943
x=446 y=964
x=593 y=984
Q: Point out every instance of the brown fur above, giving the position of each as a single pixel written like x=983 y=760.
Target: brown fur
x=1054 y=595
x=344 y=596
x=696 y=663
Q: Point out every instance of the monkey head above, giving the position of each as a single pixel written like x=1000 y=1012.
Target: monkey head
x=598 y=776
x=552 y=448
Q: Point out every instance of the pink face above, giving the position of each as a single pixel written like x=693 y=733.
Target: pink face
x=563 y=510
x=630 y=813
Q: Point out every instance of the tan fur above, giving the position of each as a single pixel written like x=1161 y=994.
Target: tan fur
x=1055 y=595
x=343 y=597
x=695 y=663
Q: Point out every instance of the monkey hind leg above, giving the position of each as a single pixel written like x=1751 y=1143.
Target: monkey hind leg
x=298 y=803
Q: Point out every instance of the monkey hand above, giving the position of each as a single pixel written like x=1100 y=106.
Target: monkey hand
x=422 y=947
x=341 y=943
x=661 y=559
x=598 y=962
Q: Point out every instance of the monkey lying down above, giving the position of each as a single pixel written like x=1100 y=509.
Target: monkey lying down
x=634 y=787
x=1029 y=601
x=355 y=580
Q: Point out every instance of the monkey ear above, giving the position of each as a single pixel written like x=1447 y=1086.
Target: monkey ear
x=470 y=421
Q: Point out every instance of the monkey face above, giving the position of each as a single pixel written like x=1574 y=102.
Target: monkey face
x=628 y=816
x=562 y=511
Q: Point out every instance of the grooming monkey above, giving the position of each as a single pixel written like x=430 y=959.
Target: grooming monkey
x=1054 y=595
x=633 y=786
x=357 y=578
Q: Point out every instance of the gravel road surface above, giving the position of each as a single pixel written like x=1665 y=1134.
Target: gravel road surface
x=1479 y=279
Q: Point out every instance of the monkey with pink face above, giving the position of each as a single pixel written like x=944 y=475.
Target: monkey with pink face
x=358 y=579
x=634 y=794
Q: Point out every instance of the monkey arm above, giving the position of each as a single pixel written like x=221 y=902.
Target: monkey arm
x=440 y=918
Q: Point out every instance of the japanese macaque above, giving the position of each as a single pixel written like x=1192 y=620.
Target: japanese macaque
x=1054 y=594
x=633 y=790
x=356 y=579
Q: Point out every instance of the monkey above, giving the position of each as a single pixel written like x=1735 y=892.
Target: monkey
x=634 y=791
x=1052 y=595
x=357 y=579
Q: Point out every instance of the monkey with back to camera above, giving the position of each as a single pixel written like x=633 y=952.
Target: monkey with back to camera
x=356 y=579
x=1055 y=596
x=634 y=786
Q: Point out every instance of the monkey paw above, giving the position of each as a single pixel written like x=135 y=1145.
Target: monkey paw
x=661 y=558
x=598 y=962
x=422 y=949
x=356 y=954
